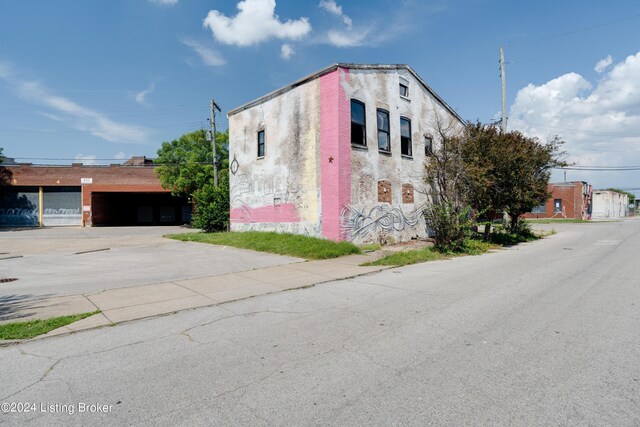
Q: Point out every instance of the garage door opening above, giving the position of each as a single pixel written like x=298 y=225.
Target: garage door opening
x=128 y=209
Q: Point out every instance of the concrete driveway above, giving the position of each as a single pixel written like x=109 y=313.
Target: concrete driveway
x=61 y=261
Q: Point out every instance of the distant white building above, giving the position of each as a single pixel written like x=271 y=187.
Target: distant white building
x=607 y=204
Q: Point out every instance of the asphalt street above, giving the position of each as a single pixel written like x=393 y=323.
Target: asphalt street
x=545 y=333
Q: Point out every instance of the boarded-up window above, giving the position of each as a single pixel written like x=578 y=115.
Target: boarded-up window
x=407 y=193
x=384 y=191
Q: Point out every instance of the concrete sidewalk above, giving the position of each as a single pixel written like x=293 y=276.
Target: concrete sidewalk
x=125 y=304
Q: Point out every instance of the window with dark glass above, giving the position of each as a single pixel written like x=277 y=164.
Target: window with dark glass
x=384 y=140
x=428 y=146
x=404 y=90
x=539 y=209
x=261 y=143
x=405 y=136
x=358 y=124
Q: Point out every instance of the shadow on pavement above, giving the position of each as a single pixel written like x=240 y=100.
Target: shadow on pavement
x=16 y=307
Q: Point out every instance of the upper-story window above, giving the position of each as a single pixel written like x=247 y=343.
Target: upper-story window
x=404 y=90
x=405 y=137
x=358 y=123
x=261 y=143
x=384 y=139
x=428 y=145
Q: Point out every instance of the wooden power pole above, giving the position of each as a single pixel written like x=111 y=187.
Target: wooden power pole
x=504 y=89
x=212 y=122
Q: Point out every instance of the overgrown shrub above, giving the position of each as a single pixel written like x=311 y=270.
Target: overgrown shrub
x=503 y=236
x=212 y=206
x=450 y=226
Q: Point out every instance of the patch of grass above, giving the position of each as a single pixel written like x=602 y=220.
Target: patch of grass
x=33 y=328
x=409 y=257
x=559 y=220
x=370 y=247
x=276 y=243
x=509 y=239
x=471 y=247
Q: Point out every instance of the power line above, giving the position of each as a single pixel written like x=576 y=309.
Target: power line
x=600 y=168
x=583 y=131
x=84 y=131
x=580 y=30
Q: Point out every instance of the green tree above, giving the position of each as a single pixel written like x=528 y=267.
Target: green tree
x=507 y=171
x=212 y=205
x=186 y=163
x=5 y=174
x=186 y=169
x=447 y=215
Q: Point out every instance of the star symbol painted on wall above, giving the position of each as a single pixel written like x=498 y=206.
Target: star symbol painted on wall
x=330 y=159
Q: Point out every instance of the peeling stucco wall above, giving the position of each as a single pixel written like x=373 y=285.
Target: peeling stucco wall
x=312 y=180
x=280 y=191
x=366 y=219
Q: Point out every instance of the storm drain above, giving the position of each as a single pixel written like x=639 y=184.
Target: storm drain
x=9 y=279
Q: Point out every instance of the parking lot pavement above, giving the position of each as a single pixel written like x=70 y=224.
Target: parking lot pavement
x=63 y=261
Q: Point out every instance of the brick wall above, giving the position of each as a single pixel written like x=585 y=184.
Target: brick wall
x=88 y=180
x=115 y=175
x=572 y=200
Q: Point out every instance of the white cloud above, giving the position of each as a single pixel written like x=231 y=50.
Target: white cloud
x=50 y=116
x=87 y=159
x=603 y=64
x=286 y=51
x=601 y=124
x=165 y=2
x=141 y=97
x=255 y=22
x=347 y=38
x=120 y=155
x=79 y=117
x=332 y=7
x=207 y=55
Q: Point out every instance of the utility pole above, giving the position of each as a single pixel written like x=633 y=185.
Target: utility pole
x=212 y=122
x=504 y=89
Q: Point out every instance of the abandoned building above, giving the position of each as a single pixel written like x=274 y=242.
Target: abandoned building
x=609 y=204
x=87 y=195
x=338 y=154
x=571 y=200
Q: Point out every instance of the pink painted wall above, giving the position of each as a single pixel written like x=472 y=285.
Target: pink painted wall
x=281 y=213
x=335 y=152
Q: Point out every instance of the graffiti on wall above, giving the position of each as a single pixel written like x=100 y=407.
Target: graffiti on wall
x=305 y=229
x=359 y=224
x=260 y=191
x=18 y=217
x=61 y=216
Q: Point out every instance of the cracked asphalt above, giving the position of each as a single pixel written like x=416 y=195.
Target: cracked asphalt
x=546 y=333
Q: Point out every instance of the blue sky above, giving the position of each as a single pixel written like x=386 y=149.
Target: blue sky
x=94 y=80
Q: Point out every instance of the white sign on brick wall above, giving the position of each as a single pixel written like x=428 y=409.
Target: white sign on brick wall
x=86 y=180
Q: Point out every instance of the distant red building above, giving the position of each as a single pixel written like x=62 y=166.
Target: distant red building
x=88 y=195
x=568 y=200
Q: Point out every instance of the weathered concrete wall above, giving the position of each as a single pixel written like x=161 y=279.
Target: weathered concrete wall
x=280 y=191
x=396 y=216
x=609 y=205
x=311 y=180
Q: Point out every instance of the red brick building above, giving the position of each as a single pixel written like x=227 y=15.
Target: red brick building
x=568 y=200
x=87 y=195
